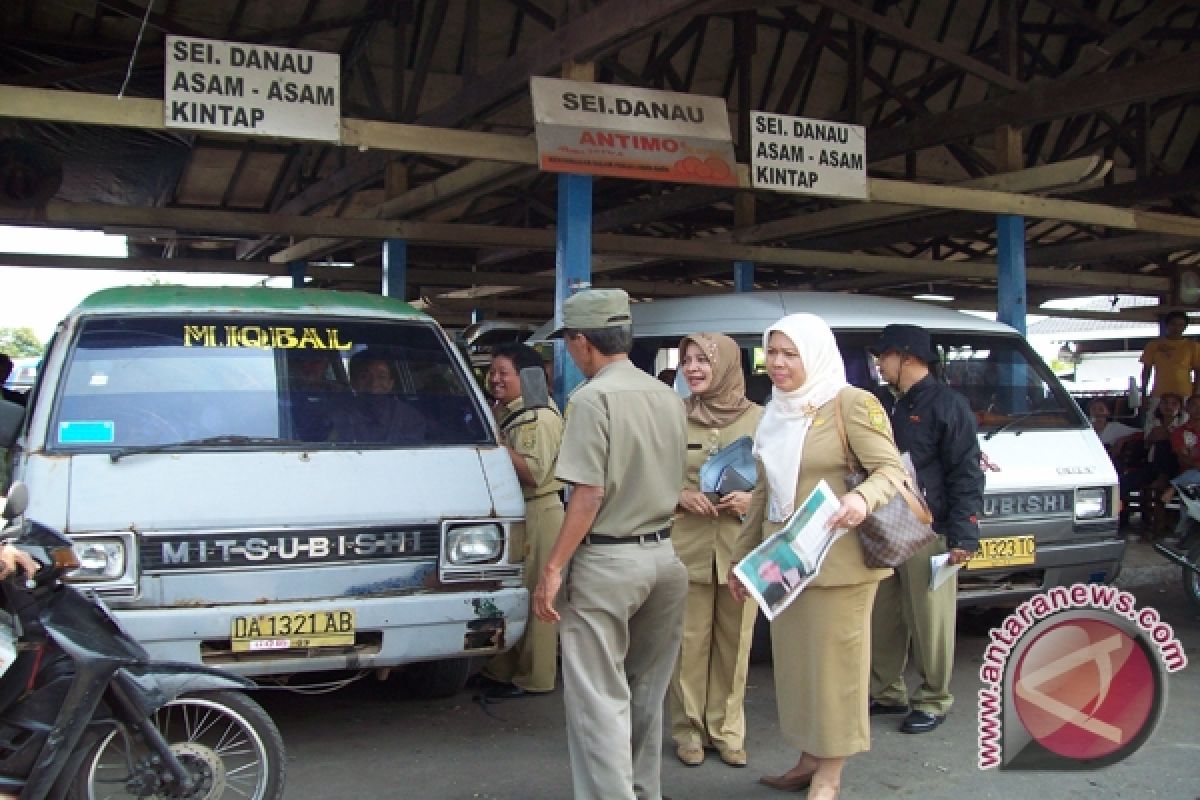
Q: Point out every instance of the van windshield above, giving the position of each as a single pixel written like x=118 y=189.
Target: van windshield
x=223 y=381
x=1006 y=384
x=1004 y=381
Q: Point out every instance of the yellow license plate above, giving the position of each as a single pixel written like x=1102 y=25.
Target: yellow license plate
x=292 y=630
x=1004 y=551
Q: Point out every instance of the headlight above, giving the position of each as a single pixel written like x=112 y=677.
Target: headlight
x=474 y=544
x=99 y=560
x=1091 y=503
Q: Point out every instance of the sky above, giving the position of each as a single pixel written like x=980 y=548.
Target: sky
x=37 y=298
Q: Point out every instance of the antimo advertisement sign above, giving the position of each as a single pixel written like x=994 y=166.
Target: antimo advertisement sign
x=247 y=89
x=623 y=132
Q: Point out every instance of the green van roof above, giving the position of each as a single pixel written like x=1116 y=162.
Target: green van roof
x=157 y=299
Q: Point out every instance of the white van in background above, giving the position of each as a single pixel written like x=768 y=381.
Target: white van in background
x=1050 y=509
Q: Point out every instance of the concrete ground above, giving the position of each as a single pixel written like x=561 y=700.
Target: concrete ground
x=363 y=742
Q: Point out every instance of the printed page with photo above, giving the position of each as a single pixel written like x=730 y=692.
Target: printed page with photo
x=776 y=571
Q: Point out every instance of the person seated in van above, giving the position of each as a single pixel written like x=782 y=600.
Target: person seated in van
x=316 y=396
x=1112 y=433
x=377 y=415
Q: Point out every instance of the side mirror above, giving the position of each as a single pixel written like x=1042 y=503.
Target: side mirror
x=11 y=416
x=17 y=501
x=534 y=392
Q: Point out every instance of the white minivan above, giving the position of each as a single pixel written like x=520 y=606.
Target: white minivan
x=1049 y=514
x=240 y=503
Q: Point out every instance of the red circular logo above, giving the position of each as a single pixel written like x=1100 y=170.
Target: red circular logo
x=1085 y=689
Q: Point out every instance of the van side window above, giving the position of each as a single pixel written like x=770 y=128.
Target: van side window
x=225 y=380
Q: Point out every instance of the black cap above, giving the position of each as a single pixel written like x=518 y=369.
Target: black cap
x=907 y=339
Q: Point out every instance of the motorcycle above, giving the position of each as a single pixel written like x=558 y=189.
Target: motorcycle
x=1187 y=552
x=86 y=714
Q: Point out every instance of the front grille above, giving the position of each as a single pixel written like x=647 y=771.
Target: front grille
x=194 y=552
x=1013 y=505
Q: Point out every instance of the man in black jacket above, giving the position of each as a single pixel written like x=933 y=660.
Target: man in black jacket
x=934 y=424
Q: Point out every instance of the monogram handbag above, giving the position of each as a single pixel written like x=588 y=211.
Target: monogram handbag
x=896 y=530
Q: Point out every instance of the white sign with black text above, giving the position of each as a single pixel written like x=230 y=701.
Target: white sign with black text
x=250 y=89
x=808 y=156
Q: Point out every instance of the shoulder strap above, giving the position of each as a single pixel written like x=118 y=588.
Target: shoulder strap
x=916 y=503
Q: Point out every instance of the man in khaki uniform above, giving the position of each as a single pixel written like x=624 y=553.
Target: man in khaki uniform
x=533 y=436
x=623 y=453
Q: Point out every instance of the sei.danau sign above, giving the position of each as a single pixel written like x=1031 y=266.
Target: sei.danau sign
x=808 y=156
x=625 y=132
x=246 y=89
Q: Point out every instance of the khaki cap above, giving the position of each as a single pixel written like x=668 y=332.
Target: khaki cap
x=591 y=309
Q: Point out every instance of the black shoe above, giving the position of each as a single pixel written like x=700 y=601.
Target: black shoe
x=502 y=691
x=876 y=708
x=921 y=722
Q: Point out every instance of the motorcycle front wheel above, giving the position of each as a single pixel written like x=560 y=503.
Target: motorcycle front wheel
x=225 y=739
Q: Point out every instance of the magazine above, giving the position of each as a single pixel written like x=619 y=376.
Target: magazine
x=776 y=571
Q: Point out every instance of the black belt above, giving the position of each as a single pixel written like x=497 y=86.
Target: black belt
x=640 y=538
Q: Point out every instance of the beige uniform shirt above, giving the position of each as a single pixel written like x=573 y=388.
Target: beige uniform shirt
x=869 y=433
x=627 y=432
x=702 y=542
x=536 y=435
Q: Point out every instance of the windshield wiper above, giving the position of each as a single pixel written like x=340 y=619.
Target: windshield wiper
x=1021 y=417
x=225 y=438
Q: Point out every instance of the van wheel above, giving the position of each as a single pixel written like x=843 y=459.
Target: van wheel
x=431 y=680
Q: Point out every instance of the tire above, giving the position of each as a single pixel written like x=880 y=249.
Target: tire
x=226 y=738
x=1191 y=578
x=434 y=680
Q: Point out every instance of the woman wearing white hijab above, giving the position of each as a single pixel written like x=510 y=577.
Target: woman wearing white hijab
x=821 y=644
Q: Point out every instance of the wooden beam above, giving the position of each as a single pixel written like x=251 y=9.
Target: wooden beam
x=1046 y=100
x=988 y=202
x=59 y=214
x=589 y=36
x=925 y=44
x=1046 y=178
x=453 y=186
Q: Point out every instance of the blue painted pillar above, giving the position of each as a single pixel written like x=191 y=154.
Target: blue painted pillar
x=572 y=268
x=297 y=269
x=395 y=268
x=1012 y=297
x=743 y=276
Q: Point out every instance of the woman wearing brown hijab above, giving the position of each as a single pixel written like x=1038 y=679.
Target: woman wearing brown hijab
x=709 y=686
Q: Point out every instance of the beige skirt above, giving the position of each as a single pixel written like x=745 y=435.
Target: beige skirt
x=822 y=650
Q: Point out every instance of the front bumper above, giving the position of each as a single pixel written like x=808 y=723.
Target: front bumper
x=389 y=631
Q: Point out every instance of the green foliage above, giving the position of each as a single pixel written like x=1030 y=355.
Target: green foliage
x=20 y=343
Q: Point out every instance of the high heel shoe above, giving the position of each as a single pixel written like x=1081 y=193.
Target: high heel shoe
x=785 y=783
x=823 y=792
